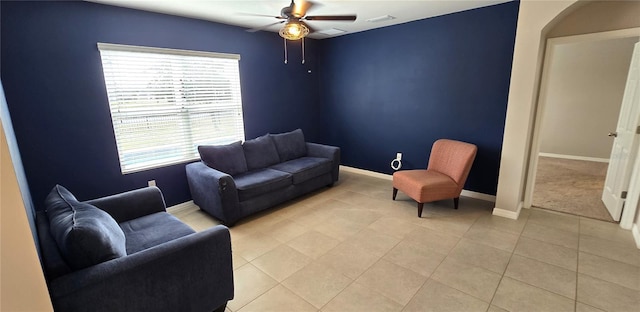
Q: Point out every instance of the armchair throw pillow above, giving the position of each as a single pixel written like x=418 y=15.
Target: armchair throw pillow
x=85 y=234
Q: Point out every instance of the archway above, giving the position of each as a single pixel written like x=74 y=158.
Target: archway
x=581 y=93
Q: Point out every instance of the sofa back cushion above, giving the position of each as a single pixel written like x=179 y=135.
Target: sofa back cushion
x=260 y=152
x=226 y=158
x=85 y=235
x=290 y=145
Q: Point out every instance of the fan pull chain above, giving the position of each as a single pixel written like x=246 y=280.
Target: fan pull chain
x=302 y=50
x=285 y=51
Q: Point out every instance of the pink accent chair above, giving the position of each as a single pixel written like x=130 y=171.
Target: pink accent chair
x=444 y=178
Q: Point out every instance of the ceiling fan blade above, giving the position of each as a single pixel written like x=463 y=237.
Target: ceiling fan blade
x=264 y=27
x=261 y=15
x=300 y=9
x=350 y=18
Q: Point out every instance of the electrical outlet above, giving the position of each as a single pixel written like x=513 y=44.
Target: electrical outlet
x=399 y=156
x=152 y=182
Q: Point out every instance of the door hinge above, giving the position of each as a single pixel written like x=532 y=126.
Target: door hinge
x=623 y=195
x=638 y=130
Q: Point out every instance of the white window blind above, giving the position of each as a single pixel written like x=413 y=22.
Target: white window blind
x=166 y=102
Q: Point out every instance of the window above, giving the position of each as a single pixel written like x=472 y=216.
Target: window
x=165 y=102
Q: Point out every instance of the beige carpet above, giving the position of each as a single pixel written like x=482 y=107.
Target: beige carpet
x=571 y=186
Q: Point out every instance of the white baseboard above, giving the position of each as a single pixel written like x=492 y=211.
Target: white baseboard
x=366 y=172
x=476 y=195
x=635 y=230
x=573 y=157
x=189 y=205
x=507 y=213
x=471 y=194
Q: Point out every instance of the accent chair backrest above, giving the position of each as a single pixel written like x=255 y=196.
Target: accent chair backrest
x=453 y=158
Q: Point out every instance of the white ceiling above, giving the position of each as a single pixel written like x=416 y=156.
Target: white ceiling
x=235 y=12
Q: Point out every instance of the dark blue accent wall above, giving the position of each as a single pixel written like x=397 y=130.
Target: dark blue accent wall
x=16 y=160
x=375 y=93
x=400 y=88
x=52 y=74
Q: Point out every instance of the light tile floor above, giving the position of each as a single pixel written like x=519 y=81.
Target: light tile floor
x=351 y=248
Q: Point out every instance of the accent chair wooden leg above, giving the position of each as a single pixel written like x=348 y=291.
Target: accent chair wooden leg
x=395 y=193
x=455 y=202
x=420 y=205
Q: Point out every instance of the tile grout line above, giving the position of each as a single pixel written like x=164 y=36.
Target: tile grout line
x=317 y=259
x=513 y=253
x=505 y=269
x=376 y=291
x=305 y=300
x=575 y=303
x=369 y=268
x=352 y=280
x=261 y=294
x=550 y=291
x=551 y=264
x=612 y=242
x=447 y=256
x=595 y=255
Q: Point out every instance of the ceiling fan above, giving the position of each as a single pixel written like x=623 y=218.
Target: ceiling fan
x=294 y=17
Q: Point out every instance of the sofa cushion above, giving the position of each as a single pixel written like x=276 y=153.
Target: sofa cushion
x=226 y=158
x=260 y=152
x=290 y=145
x=85 y=235
x=261 y=181
x=305 y=168
x=152 y=230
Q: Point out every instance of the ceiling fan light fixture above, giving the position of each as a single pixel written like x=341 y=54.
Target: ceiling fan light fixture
x=294 y=30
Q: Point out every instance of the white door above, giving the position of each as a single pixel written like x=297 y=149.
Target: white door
x=625 y=141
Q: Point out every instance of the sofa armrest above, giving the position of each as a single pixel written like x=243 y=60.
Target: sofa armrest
x=214 y=192
x=191 y=273
x=132 y=204
x=326 y=151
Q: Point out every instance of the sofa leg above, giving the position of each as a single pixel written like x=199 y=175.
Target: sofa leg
x=228 y=224
x=455 y=202
x=221 y=308
x=395 y=193
x=420 y=206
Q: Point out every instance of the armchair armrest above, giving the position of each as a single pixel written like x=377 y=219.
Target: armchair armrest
x=214 y=191
x=326 y=151
x=132 y=204
x=191 y=273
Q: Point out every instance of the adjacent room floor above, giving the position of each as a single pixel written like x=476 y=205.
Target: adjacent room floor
x=351 y=248
x=571 y=186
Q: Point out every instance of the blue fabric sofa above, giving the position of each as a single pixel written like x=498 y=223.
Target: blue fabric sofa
x=126 y=253
x=239 y=179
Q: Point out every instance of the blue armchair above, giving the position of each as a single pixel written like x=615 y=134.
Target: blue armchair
x=126 y=253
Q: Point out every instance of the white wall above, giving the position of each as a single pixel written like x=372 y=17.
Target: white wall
x=583 y=96
x=636 y=227
x=533 y=19
x=598 y=16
